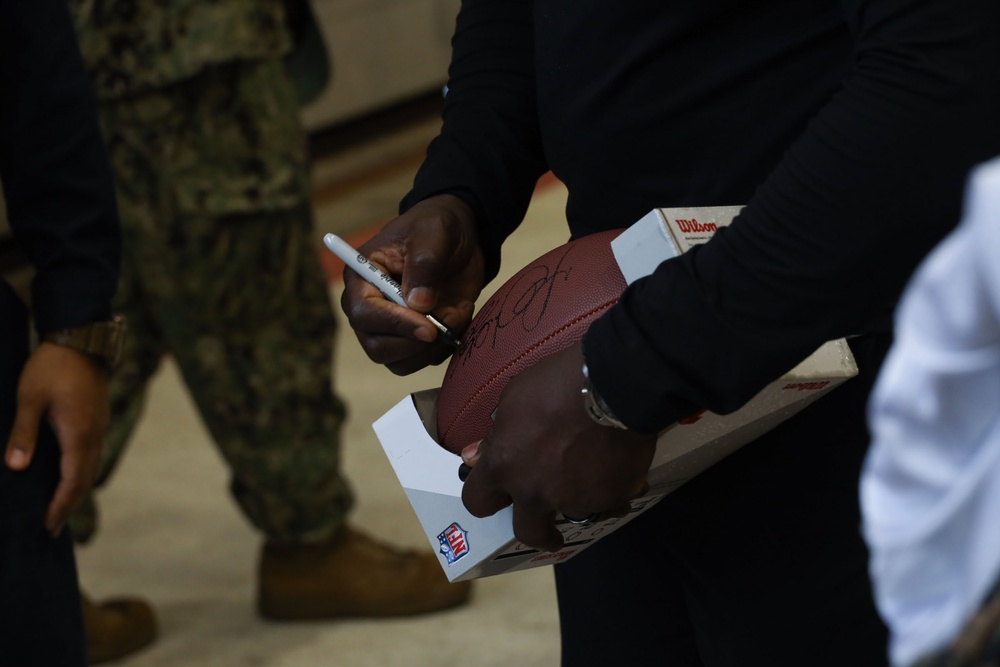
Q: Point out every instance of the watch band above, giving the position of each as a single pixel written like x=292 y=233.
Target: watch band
x=101 y=340
x=595 y=406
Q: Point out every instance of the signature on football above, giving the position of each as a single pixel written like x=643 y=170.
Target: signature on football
x=522 y=306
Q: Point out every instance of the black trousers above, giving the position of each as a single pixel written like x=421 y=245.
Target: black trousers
x=40 y=619
x=759 y=561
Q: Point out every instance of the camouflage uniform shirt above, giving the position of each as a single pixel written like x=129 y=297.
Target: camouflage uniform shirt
x=134 y=46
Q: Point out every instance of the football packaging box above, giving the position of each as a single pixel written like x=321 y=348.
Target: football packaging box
x=469 y=547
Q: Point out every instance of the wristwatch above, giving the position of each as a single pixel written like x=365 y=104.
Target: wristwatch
x=102 y=341
x=596 y=408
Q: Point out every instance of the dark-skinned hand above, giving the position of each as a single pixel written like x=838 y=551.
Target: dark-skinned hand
x=545 y=456
x=67 y=388
x=434 y=253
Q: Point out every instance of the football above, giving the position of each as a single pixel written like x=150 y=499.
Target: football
x=544 y=308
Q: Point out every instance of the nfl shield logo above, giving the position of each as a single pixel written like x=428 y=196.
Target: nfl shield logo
x=454 y=543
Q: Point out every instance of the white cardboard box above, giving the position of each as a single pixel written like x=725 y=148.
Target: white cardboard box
x=470 y=547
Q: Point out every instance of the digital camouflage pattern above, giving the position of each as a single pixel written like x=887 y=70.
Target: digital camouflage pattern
x=221 y=271
x=135 y=46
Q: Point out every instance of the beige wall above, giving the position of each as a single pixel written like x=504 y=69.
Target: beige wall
x=383 y=52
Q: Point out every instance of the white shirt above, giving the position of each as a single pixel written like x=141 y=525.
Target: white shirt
x=930 y=489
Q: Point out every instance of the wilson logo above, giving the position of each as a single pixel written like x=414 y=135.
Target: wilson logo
x=691 y=226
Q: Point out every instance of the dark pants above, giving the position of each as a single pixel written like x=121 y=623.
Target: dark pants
x=40 y=621
x=757 y=562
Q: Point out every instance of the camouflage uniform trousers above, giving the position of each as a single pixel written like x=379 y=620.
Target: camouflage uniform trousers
x=221 y=271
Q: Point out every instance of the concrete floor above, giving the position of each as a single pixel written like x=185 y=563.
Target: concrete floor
x=171 y=533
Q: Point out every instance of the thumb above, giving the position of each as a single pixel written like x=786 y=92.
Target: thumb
x=425 y=269
x=482 y=495
x=470 y=454
x=23 y=435
x=442 y=246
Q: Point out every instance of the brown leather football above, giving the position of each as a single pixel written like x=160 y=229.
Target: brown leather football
x=544 y=308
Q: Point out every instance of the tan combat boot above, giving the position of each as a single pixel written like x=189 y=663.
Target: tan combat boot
x=116 y=628
x=351 y=575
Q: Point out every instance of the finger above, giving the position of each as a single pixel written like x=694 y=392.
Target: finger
x=623 y=510
x=537 y=528
x=68 y=496
x=76 y=477
x=369 y=312
x=481 y=497
x=410 y=366
x=426 y=269
x=23 y=434
x=442 y=247
x=386 y=348
x=470 y=454
x=391 y=338
x=402 y=349
x=456 y=316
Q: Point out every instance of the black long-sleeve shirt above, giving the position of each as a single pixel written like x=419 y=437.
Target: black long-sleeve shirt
x=56 y=178
x=846 y=127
